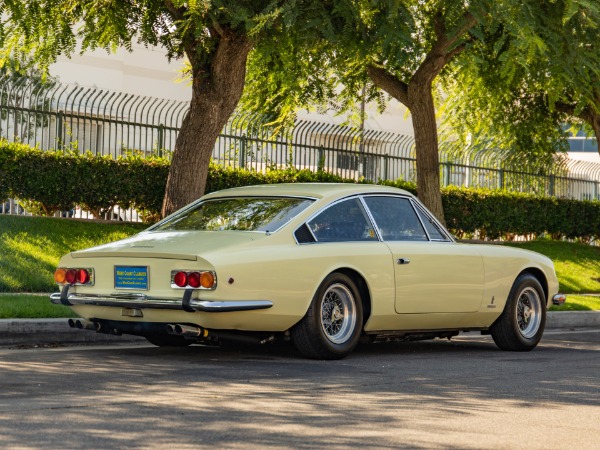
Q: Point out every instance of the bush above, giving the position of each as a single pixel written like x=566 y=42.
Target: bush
x=45 y=182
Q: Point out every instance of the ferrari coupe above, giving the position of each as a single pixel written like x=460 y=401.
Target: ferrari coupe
x=322 y=265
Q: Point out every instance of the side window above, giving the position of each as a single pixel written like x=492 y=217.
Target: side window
x=433 y=229
x=396 y=218
x=342 y=222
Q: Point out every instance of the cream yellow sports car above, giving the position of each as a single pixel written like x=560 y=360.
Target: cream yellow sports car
x=320 y=264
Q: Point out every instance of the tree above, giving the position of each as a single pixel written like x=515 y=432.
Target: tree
x=216 y=37
x=412 y=49
x=524 y=87
x=401 y=47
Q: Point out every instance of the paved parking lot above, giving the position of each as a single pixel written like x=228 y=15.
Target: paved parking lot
x=436 y=394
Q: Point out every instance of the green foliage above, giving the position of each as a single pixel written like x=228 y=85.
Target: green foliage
x=529 y=74
x=50 y=181
x=53 y=181
x=497 y=214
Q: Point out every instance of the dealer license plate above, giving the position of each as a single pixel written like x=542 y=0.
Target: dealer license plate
x=131 y=277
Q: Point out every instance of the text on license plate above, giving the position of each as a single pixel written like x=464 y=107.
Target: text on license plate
x=131 y=277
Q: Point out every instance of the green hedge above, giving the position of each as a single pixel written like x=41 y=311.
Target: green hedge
x=46 y=181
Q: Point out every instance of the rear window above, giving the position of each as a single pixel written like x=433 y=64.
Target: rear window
x=241 y=213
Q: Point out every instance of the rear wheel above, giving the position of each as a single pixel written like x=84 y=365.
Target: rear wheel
x=332 y=325
x=521 y=324
x=167 y=340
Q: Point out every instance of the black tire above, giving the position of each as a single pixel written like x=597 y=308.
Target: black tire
x=333 y=323
x=521 y=324
x=166 y=340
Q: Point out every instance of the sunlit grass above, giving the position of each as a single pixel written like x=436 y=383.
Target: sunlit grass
x=579 y=303
x=31 y=306
x=30 y=247
x=577 y=265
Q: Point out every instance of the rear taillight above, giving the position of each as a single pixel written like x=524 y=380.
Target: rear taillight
x=75 y=276
x=180 y=279
x=206 y=279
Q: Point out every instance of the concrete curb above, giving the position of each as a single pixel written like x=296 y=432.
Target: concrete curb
x=56 y=331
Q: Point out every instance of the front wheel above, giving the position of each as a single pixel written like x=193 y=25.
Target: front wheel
x=332 y=325
x=521 y=324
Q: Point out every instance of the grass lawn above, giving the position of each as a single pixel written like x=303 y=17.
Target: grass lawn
x=31 y=306
x=30 y=247
x=579 y=303
x=577 y=265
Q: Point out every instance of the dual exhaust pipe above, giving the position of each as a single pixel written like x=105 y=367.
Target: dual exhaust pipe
x=82 y=324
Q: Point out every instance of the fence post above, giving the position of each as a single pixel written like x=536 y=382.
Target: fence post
x=446 y=179
x=551 y=185
x=321 y=159
x=58 y=142
x=386 y=161
x=161 y=139
x=242 y=161
x=501 y=179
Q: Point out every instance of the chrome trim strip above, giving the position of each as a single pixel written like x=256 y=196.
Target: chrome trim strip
x=141 y=301
x=371 y=218
x=250 y=305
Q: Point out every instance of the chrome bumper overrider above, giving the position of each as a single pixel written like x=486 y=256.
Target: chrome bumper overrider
x=142 y=301
x=559 y=299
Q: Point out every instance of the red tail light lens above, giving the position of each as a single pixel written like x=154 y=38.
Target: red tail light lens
x=180 y=279
x=194 y=280
x=83 y=276
x=71 y=276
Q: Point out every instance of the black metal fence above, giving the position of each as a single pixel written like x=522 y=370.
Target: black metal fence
x=56 y=116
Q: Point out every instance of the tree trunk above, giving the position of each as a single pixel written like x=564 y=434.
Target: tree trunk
x=215 y=94
x=418 y=98
x=422 y=110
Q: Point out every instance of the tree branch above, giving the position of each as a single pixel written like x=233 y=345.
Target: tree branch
x=441 y=52
x=177 y=13
x=389 y=83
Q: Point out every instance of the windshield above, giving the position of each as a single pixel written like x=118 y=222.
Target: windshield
x=243 y=213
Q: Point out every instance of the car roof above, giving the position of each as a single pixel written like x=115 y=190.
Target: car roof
x=314 y=190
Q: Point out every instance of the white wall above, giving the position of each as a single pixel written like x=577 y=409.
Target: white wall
x=145 y=71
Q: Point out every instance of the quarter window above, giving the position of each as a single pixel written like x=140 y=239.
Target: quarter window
x=433 y=229
x=396 y=219
x=343 y=222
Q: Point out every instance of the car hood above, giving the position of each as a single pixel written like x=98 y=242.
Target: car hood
x=170 y=244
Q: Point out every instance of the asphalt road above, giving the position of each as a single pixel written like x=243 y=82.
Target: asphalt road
x=436 y=394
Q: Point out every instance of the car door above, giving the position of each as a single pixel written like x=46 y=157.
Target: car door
x=432 y=273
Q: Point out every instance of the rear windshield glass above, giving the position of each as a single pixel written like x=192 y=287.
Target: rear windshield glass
x=243 y=213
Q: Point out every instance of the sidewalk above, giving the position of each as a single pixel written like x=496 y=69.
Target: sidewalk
x=57 y=331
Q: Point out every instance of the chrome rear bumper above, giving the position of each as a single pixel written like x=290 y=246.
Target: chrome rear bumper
x=141 y=301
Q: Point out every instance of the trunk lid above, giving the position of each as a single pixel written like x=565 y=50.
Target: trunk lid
x=185 y=245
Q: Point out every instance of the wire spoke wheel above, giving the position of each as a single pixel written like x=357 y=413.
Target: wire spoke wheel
x=333 y=323
x=529 y=314
x=338 y=313
x=521 y=324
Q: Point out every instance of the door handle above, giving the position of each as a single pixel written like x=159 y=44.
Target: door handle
x=403 y=261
